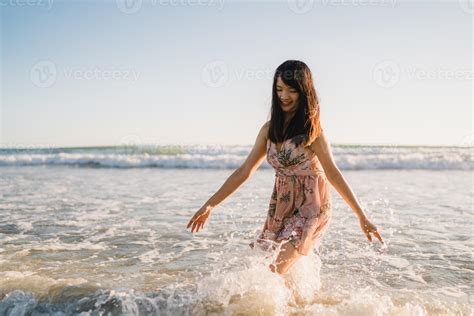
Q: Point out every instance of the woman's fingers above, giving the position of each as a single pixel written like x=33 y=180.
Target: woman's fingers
x=196 y=226
x=192 y=220
x=368 y=236
x=369 y=228
x=197 y=221
x=376 y=233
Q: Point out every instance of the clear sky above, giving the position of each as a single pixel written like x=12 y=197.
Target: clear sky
x=89 y=73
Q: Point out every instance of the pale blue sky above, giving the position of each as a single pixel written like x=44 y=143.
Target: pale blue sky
x=188 y=73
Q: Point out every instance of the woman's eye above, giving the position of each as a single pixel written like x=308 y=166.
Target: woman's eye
x=291 y=91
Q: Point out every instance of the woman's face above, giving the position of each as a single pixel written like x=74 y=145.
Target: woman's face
x=288 y=96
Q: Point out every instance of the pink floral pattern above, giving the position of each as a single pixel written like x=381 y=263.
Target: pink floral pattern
x=292 y=228
x=300 y=206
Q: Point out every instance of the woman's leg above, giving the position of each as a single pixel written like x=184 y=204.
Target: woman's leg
x=285 y=259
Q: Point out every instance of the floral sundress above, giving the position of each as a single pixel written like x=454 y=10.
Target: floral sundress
x=300 y=206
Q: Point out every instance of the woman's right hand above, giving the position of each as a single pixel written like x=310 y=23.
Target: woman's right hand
x=368 y=228
x=198 y=220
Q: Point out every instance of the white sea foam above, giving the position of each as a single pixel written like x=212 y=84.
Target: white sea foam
x=124 y=230
x=224 y=157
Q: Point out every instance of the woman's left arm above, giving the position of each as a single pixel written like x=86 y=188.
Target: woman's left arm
x=322 y=148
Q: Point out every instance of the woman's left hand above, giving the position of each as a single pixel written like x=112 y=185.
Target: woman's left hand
x=368 y=228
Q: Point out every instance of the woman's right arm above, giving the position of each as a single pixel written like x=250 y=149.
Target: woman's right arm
x=234 y=181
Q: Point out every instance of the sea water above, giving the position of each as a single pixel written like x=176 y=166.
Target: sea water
x=103 y=231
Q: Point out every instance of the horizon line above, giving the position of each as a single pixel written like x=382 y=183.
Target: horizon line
x=29 y=147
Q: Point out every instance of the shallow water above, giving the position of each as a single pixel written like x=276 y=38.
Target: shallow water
x=114 y=240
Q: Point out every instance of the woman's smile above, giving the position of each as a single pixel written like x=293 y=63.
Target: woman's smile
x=287 y=95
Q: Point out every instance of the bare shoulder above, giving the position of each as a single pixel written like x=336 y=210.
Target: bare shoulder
x=265 y=129
x=320 y=142
x=266 y=125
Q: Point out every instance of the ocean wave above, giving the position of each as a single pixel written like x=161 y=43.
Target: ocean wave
x=229 y=157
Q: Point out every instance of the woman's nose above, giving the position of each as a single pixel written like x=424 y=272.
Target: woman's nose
x=284 y=96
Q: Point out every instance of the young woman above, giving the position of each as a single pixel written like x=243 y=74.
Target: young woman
x=296 y=146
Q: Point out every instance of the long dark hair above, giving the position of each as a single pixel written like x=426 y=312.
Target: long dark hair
x=297 y=75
